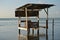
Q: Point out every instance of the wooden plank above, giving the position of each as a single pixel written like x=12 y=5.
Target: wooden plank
x=28 y=10
x=22 y=28
x=22 y=13
x=42 y=26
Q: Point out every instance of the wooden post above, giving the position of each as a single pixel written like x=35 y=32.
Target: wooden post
x=32 y=31
x=19 y=25
x=27 y=33
x=46 y=34
x=38 y=32
x=28 y=29
x=26 y=17
x=47 y=25
x=46 y=18
x=38 y=26
x=53 y=29
x=19 y=22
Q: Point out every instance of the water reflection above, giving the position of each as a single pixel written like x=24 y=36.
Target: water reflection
x=21 y=37
x=33 y=37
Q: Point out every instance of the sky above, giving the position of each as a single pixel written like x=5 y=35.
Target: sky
x=8 y=7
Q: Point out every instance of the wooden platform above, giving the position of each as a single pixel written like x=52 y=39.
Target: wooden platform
x=24 y=28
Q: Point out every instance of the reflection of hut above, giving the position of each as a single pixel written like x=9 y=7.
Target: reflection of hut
x=22 y=37
x=31 y=10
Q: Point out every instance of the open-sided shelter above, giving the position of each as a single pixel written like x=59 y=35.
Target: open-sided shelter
x=31 y=10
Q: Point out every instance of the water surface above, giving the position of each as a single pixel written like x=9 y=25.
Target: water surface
x=9 y=29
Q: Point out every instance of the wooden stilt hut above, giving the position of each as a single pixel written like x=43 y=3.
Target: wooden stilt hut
x=31 y=10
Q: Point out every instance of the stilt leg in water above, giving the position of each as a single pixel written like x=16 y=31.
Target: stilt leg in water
x=19 y=31
x=37 y=32
x=32 y=31
x=46 y=34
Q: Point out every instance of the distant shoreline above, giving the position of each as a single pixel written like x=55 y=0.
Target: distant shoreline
x=28 y=18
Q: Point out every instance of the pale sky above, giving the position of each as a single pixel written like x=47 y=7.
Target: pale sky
x=7 y=7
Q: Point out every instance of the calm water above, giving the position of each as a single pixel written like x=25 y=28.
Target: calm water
x=9 y=29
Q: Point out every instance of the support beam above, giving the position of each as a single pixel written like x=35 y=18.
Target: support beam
x=19 y=31
x=26 y=18
x=47 y=13
x=38 y=27
x=33 y=31
x=47 y=25
x=53 y=29
x=38 y=32
x=19 y=24
x=46 y=10
x=47 y=19
x=46 y=34
x=28 y=10
x=28 y=31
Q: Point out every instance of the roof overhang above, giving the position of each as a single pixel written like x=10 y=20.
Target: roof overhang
x=32 y=9
x=34 y=6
